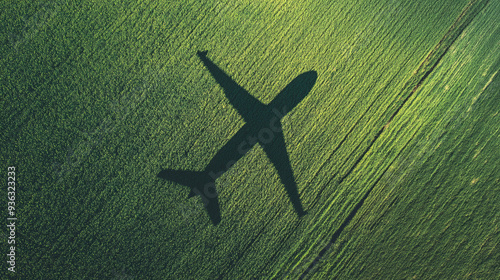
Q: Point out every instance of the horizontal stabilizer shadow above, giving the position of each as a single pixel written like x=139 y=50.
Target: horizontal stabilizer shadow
x=200 y=184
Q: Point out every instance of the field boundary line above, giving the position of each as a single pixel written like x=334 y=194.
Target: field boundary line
x=434 y=57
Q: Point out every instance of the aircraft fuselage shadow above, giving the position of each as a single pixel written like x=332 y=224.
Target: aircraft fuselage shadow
x=263 y=126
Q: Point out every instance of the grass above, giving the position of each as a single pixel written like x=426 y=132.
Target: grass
x=433 y=214
x=98 y=97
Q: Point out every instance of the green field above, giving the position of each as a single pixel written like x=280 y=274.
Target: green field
x=395 y=151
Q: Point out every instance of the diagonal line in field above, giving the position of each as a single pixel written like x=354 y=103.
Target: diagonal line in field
x=425 y=68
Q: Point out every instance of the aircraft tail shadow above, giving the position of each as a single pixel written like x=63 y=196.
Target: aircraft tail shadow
x=200 y=184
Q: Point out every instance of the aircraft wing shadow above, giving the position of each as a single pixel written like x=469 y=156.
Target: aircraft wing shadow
x=242 y=101
x=277 y=154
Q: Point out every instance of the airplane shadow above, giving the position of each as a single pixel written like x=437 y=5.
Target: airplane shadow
x=262 y=126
